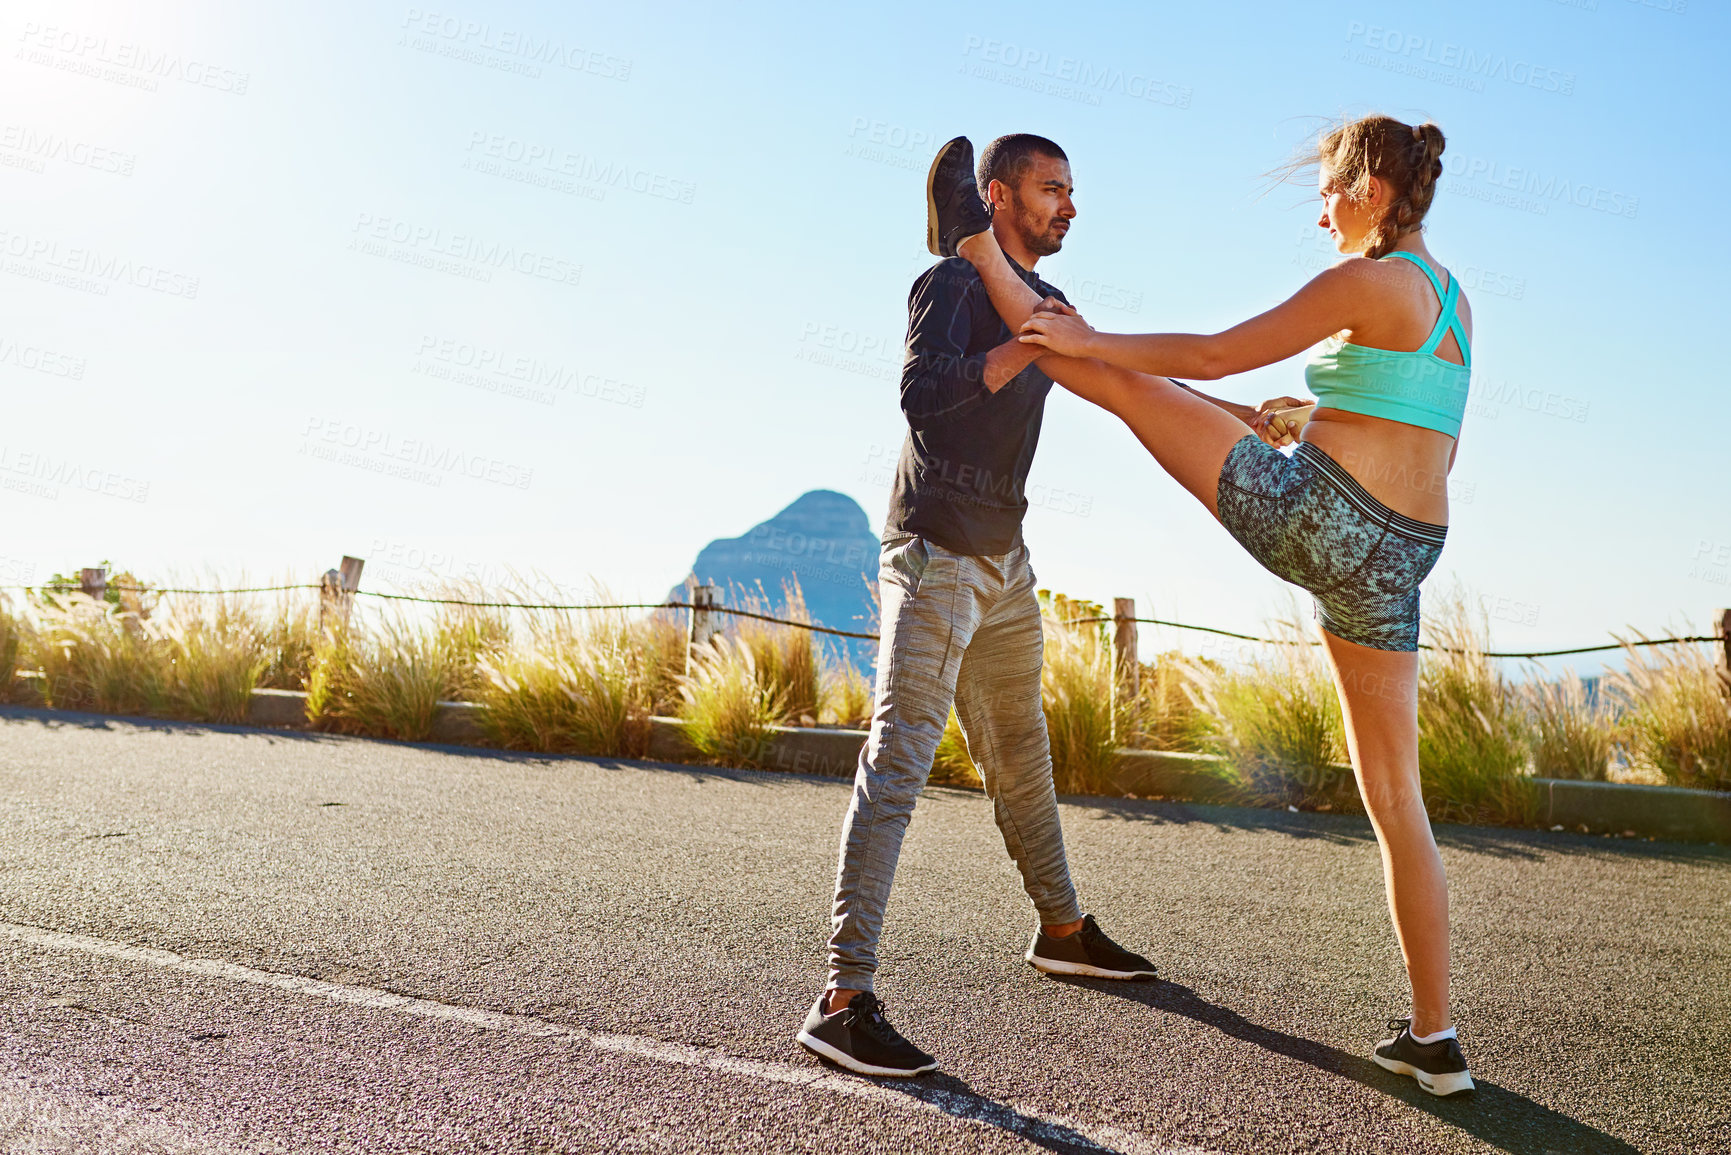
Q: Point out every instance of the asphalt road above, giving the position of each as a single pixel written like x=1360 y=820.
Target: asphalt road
x=227 y=941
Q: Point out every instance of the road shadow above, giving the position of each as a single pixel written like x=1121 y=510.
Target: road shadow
x=955 y=1098
x=1507 y=842
x=1502 y=1118
x=1341 y=829
x=50 y=719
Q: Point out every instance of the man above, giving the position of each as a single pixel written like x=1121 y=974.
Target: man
x=960 y=620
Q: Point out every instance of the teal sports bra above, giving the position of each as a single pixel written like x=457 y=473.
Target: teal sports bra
x=1416 y=387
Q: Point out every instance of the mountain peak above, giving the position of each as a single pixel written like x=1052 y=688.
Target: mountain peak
x=824 y=541
x=825 y=511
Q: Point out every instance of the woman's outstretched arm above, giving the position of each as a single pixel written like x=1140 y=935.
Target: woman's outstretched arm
x=1015 y=302
x=1329 y=303
x=1187 y=435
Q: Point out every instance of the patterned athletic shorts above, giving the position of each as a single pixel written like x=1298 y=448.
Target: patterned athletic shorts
x=1308 y=521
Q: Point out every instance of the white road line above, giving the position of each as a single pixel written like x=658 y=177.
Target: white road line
x=1028 y=1123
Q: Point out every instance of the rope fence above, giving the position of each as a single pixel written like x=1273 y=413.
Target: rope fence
x=1422 y=645
x=716 y=608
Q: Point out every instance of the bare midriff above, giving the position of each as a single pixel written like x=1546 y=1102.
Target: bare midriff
x=1403 y=466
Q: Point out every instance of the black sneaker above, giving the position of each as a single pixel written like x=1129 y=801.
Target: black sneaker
x=1086 y=952
x=954 y=210
x=862 y=1040
x=1439 y=1067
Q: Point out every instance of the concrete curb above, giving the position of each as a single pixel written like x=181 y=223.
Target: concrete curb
x=1168 y=773
x=456 y=723
x=797 y=749
x=1669 y=812
x=277 y=708
x=1674 y=813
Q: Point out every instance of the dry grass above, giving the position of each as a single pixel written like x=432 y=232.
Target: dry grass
x=176 y=657
x=729 y=711
x=1278 y=725
x=1084 y=719
x=93 y=656
x=473 y=634
x=572 y=685
x=289 y=634
x=1678 y=720
x=952 y=766
x=14 y=644
x=1573 y=731
x=1167 y=717
x=386 y=679
x=786 y=659
x=661 y=641
x=758 y=675
x=1472 y=729
x=584 y=683
x=847 y=696
x=213 y=657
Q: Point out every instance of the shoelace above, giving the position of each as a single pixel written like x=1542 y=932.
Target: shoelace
x=965 y=186
x=871 y=1017
x=1094 y=938
x=1399 y=1025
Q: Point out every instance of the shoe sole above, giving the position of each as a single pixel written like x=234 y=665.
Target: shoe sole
x=1052 y=966
x=842 y=1059
x=1442 y=1086
x=932 y=204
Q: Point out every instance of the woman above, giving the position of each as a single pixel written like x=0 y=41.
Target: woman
x=1358 y=512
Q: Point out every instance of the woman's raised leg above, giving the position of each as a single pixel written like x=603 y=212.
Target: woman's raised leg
x=1379 y=701
x=1188 y=436
x=1011 y=296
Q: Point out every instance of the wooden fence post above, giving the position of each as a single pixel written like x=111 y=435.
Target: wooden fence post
x=337 y=593
x=704 y=621
x=1127 y=670
x=1724 y=623
x=93 y=582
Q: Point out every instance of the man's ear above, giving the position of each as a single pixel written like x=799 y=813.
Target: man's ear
x=997 y=194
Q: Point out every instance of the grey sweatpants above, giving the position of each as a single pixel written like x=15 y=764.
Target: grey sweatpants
x=962 y=629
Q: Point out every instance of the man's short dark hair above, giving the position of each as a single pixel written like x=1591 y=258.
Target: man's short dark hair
x=1008 y=157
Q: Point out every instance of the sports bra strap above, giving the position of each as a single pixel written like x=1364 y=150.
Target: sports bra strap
x=1460 y=331
x=1448 y=320
x=1435 y=283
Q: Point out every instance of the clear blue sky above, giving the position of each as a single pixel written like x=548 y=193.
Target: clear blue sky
x=269 y=272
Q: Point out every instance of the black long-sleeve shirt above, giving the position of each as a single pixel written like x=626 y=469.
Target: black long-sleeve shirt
x=963 y=473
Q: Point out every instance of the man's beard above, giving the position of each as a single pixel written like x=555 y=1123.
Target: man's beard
x=1038 y=234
